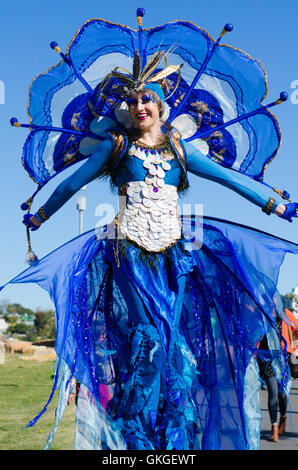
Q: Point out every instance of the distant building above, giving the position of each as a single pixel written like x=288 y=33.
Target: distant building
x=3 y=325
x=294 y=303
x=22 y=317
x=26 y=318
x=295 y=290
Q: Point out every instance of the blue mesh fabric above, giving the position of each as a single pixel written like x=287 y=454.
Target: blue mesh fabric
x=186 y=378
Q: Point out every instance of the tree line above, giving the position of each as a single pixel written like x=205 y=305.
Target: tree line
x=41 y=326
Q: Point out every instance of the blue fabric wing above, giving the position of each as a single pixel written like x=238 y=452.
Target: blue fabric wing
x=79 y=279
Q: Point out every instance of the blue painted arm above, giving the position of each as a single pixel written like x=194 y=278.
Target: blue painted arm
x=90 y=170
x=201 y=165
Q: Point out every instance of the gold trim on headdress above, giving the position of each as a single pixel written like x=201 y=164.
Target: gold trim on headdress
x=138 y=78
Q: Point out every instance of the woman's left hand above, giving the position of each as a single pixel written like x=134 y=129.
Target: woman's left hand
x=291 y=211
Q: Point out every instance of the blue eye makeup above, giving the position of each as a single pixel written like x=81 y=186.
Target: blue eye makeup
x=145 y=99
x=131 y=101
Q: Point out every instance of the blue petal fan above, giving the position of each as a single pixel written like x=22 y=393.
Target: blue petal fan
x=218 y=105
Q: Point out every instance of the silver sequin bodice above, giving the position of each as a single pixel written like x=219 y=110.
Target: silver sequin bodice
x=148 y=212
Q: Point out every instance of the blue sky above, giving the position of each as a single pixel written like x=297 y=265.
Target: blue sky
x=265 y=29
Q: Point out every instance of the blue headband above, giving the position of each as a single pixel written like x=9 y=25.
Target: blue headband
x=156 y=87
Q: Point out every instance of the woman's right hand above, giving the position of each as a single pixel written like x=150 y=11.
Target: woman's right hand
x=31 y=221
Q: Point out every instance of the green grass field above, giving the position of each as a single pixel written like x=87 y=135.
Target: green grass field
x=25 y=386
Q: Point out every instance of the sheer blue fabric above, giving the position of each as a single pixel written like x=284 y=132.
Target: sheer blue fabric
x=184 y=376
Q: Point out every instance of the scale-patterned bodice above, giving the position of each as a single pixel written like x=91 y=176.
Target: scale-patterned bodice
x=148 y=210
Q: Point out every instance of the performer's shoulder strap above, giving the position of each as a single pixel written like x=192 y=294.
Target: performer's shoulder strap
x=175 y=138
x=119 y=141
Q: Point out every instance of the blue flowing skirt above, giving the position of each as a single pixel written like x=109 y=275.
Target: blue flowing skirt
x=164 y=345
